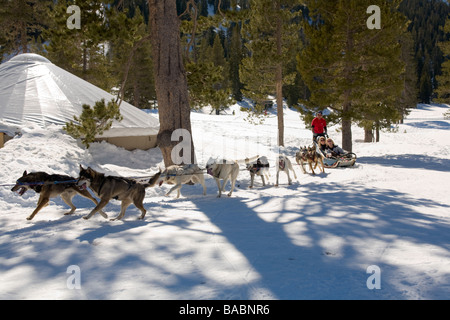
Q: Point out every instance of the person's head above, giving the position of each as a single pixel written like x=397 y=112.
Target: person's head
x=319 y=114
x=322 y=140
x=330 y=142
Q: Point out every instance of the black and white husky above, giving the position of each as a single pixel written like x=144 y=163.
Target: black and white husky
x=260 y=167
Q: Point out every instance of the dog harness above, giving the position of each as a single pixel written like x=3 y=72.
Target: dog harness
x=130 y=183
x=256 y=167
x=37 y=186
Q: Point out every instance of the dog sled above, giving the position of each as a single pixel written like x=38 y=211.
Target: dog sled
x=342 y=161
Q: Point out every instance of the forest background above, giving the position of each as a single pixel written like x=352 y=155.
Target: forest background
x=294 y=50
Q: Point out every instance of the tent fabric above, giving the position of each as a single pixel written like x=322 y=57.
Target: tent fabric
x=32 y=89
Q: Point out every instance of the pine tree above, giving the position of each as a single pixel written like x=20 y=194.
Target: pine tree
x=235 y=58
x=93 y=121
x=349 y=68
x=82 y=52
x=425 y=86
x=21 y=25
x=204 y=56
x=426 y=21
x=170 y=76
x=140 y=85
x=130 y=55
x=443 y=80
x=132 y=7
x=272 y=37
x=207 y=78
x=111 y=50
x=408 y=99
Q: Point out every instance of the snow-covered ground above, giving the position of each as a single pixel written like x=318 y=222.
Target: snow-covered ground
x=315 y=239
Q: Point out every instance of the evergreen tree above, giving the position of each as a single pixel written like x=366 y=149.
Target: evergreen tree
x=235 y=58
x=443 y=80
x=93 y=121
x=272 y=37
x=218 y=53
x=425 y=85
x=204 y=56
x=140 y=84
x=426 y=21
x=297 y=90
x=80 y=51
x=111 y=50
x=203 y=8
x=21 y=25
x=132 y=7
x=349 y=68
x=408 y=99
x=130 y=55
x=207 y=78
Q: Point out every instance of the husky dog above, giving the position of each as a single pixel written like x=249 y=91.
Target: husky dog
x=127 y=191
x=51 y=186
x=301 y=158
x=225 y=170
x=311 y=156
x=285 y=165
x=260 y=167
x=182 y=174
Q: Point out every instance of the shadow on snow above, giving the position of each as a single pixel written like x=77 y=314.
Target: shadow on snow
x=315 y=241
x=411 y=161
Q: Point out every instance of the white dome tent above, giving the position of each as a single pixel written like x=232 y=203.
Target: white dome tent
x=32 y=89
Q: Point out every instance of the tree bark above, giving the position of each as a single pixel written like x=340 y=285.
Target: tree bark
x=23 y=37
x=347 y=105
x=170 y=76
x=368 y=135
x=377 y=131
x=347 y=129
x=279 y=78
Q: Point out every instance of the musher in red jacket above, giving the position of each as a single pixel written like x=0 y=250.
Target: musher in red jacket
x=319 y=126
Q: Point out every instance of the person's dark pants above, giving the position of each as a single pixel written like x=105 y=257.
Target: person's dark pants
x=315 y=135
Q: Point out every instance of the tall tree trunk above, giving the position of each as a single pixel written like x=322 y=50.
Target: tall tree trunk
x=23 y=37
x=368 y=135
x=377 y=130
x=84 y=74
x=170 y=76
x=280 y=111
x=347 y=106
x=279 y=78
x=347 y=129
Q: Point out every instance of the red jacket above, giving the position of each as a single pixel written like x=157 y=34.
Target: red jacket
x=319 y=125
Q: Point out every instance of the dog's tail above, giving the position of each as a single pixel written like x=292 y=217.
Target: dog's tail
x=153 y=180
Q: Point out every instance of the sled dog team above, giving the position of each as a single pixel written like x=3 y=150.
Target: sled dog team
x=129 y=191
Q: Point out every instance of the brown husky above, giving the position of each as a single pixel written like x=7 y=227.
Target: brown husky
x=128 y=191
x=51 y=186
x=311 y=156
